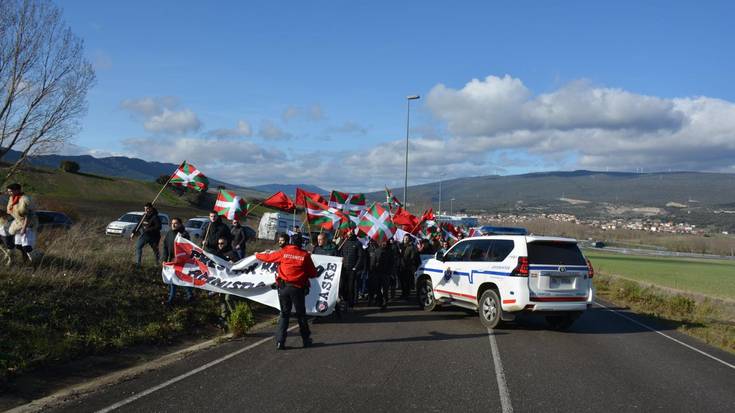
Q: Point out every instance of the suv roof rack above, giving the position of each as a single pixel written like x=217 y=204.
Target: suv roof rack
x=493 y=230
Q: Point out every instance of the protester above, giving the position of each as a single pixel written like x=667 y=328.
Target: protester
x=215 y=230
x=227 y=303
x=368 y=253
x=410 y=262
x=424 y=247
x=150 y=233
x=324 y=246
x=25 y=221
x=295 y=267
x=177 y=228
x=444 y=248
x=239 y=238
x=381 y=268
x=352 y=263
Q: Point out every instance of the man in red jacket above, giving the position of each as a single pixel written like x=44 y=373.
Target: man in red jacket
x=295 y=267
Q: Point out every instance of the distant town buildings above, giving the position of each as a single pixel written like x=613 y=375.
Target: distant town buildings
x=636 y=224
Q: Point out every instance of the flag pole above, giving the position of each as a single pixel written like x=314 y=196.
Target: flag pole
x=137 y=227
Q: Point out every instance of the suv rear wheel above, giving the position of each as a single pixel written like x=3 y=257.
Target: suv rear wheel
x=489 y=309
x=425 y=294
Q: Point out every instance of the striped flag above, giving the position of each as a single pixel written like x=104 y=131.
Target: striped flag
x=230 y=205
x=188 y=176
x=377 y=224
x=348 y=203
x=391 y=199
x=325 y=217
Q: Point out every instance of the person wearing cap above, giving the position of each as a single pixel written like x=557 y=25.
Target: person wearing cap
x=295 y=268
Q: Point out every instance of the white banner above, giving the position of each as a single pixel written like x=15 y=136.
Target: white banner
x=249 y=278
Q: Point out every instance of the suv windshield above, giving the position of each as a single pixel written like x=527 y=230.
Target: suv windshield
x=555 y=252
x=130 y=218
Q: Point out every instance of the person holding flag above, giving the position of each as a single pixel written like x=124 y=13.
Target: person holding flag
x=150 y=233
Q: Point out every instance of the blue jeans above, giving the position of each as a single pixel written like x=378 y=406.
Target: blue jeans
x=172 y=293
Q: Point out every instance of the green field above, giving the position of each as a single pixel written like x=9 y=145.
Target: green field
x=714 y=278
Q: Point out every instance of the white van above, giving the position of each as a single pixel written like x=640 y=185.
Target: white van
x=503 y=275
x=273 y=223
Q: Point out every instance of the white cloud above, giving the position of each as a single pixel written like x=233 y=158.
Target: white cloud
x=173 y=122
x=160 y=115
x=602 y=127
x=243 y=129
x=347 y=128
x=269 y=130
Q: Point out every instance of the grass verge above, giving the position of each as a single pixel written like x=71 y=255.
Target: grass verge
x=84 y=296
x=708 y=319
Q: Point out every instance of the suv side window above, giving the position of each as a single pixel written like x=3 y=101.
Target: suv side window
x=478 y=250
x=501 y=248
x=457 y=252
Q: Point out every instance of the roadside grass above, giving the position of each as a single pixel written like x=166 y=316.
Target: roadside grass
x=85 y=297
x=712 y=278
x=710 y=320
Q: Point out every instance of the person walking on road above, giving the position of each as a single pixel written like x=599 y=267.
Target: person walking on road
x=177 y=228
x=150 y=233
x=352 y=264
x=381 y=267
x=295 y=268
x=410 y=262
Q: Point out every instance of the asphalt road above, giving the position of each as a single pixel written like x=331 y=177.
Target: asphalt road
x=403 y=359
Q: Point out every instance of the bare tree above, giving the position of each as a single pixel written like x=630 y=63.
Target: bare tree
x=44 y=79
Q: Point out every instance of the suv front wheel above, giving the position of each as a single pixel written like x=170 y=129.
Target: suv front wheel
x=489 y=309
x=425 y=294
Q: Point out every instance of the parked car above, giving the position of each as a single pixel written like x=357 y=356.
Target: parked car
x=501 y=276
x=53 y=220
x=127 y=222
x=196 y=227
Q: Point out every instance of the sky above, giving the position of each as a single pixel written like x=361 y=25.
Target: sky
x=315 y=92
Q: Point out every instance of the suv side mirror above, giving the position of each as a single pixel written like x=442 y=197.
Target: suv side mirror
x=439 y=256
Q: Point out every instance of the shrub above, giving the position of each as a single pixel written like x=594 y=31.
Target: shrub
x=241 y=319
x=69 y=166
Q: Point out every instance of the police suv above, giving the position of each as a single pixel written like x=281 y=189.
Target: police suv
x=507 y=272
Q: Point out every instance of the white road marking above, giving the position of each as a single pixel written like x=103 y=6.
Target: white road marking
x=185 y=375
x=667 y=336
x=499 y=374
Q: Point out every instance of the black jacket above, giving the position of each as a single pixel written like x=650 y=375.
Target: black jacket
x=215 y=231
x=410 y=259
x=383 y=260
x=227 y=254
x=168 y=244
x=239 y=237
x=352 y=254
x=150 y=226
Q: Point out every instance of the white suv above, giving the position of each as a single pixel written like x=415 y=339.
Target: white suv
x=501 y=276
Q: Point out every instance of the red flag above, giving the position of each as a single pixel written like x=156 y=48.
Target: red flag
x=428 y=215
x=281 y=201
x=301 y=195
x=405 y=219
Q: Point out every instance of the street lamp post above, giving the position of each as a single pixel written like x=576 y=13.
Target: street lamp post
x=451 y=207
x=408 y=118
